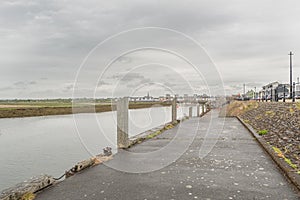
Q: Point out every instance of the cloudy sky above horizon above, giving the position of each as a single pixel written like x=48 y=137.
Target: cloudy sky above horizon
x=44 y=43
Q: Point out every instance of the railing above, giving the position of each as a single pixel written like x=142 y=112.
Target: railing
x=123 y=141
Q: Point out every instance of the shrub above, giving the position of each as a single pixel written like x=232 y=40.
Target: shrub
x=246 y=121
x=28 y=196
x=263 y=132
x=169 y=126
x=152 y=135
x=270 y=113
x=298 y=105
x=289 y=162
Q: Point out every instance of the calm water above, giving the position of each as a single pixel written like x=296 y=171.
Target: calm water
x=52 y=144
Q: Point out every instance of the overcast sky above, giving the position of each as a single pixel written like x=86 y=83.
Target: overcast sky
x=43 y=44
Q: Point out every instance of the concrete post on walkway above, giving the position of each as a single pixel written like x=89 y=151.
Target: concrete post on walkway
x=174 y=110
x=206 y=107
x=190 y=112
x=122 y=123
x=198 y=110
x=202 y=107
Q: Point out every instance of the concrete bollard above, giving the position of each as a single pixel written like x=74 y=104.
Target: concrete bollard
x=191 y=112
x=202 y=109
x=207 y=108
x=174 y=110
x=198 y=110
x=122 y=123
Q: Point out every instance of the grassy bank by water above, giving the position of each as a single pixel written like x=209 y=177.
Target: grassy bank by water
x=26 y=108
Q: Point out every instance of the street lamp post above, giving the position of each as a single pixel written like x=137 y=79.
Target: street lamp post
x=291 y=74
x=271 y=98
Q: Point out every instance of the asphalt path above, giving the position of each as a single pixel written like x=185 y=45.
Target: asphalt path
x=192 y=161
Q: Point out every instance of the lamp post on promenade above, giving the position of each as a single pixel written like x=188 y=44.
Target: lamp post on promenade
x=291 y=74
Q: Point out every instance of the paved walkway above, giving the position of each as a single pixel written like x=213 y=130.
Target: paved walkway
x=236 y=168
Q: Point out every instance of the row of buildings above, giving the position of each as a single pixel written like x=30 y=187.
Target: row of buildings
x=169 y=97
x=275 y=91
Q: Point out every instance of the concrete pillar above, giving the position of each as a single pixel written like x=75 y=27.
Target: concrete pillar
x=122 y=123
x=191 y=112
x=202 y=113
x=174 y=110
x=198 y=110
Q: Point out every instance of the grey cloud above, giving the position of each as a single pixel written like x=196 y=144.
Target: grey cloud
x=134 y=80
x=128 y=77
x=132 y=76
x=24 y=83
x=125 y=59
x=3 y=89
x=144 y=82
x=101 y=83
x=19 y=83
x=68 y=87
x=169 y=84
x=32 y=82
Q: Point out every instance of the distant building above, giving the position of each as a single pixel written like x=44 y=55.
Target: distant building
x=274 y=91
x=185 y=97
x=283 y=89
x=168 y=97
x=269 y=91
x=297 y=89
x=195 y=97
x=146 y=98
x=180 y=99
x=162 y=98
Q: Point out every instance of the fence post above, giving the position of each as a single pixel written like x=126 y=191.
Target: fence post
x=294 y=87
x=122 y=123
x=174 y=110
x=190 y=111
x=283 y=93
